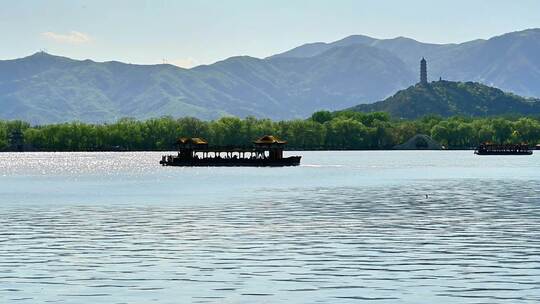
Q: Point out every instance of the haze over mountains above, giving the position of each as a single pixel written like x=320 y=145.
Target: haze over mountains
x=43 y=88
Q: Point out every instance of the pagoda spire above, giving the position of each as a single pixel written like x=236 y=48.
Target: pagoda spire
x=423 y=71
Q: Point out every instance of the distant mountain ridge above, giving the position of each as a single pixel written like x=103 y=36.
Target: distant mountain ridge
x=43 y=88
x=449 y=98
x=509 y=61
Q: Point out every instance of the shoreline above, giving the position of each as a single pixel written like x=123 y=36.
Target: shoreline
x=288 y=150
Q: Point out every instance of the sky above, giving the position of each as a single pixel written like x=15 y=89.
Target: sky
x=190 y=33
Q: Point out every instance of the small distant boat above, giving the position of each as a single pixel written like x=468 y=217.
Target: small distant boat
x=267 y=151
x=507 y=149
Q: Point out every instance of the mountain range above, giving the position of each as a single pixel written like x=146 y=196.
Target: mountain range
x=44 y=88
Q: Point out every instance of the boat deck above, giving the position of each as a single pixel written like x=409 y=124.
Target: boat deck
x=505 y=149
x=266 y=151
x=230 y=162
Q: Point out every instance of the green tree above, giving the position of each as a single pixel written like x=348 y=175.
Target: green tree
x=347 y=133
x=528 y=130
x=322 y=116
x=502 y=129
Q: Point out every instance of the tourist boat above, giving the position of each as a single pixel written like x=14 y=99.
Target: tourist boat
x=267 y=151
x=509 y=149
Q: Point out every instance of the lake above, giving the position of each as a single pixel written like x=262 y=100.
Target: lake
x=344 y=227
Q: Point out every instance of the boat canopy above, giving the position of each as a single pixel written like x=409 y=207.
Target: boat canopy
x=269 y=139
x=191 y=140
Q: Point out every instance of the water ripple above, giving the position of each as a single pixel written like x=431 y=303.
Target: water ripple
x=470 y=241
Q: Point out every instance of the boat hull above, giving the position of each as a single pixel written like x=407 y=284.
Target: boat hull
x=217 y=162
x=504 y=153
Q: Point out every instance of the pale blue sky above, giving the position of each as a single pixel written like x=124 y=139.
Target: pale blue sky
x=205 y=31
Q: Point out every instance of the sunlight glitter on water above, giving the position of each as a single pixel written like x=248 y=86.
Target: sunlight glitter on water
x=97 y=232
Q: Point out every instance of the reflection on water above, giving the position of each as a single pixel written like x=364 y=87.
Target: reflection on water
x=469 y=241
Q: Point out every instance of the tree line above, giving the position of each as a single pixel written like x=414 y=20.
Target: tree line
x=323 y=130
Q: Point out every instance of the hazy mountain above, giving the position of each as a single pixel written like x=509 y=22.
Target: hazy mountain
x=448 y=98
x=510 y=61
x=343 y=76
x=44 y=88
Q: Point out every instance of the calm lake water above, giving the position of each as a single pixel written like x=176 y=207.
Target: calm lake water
x=345 y=227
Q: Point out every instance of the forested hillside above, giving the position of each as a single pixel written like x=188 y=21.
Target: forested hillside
x=448 y=98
